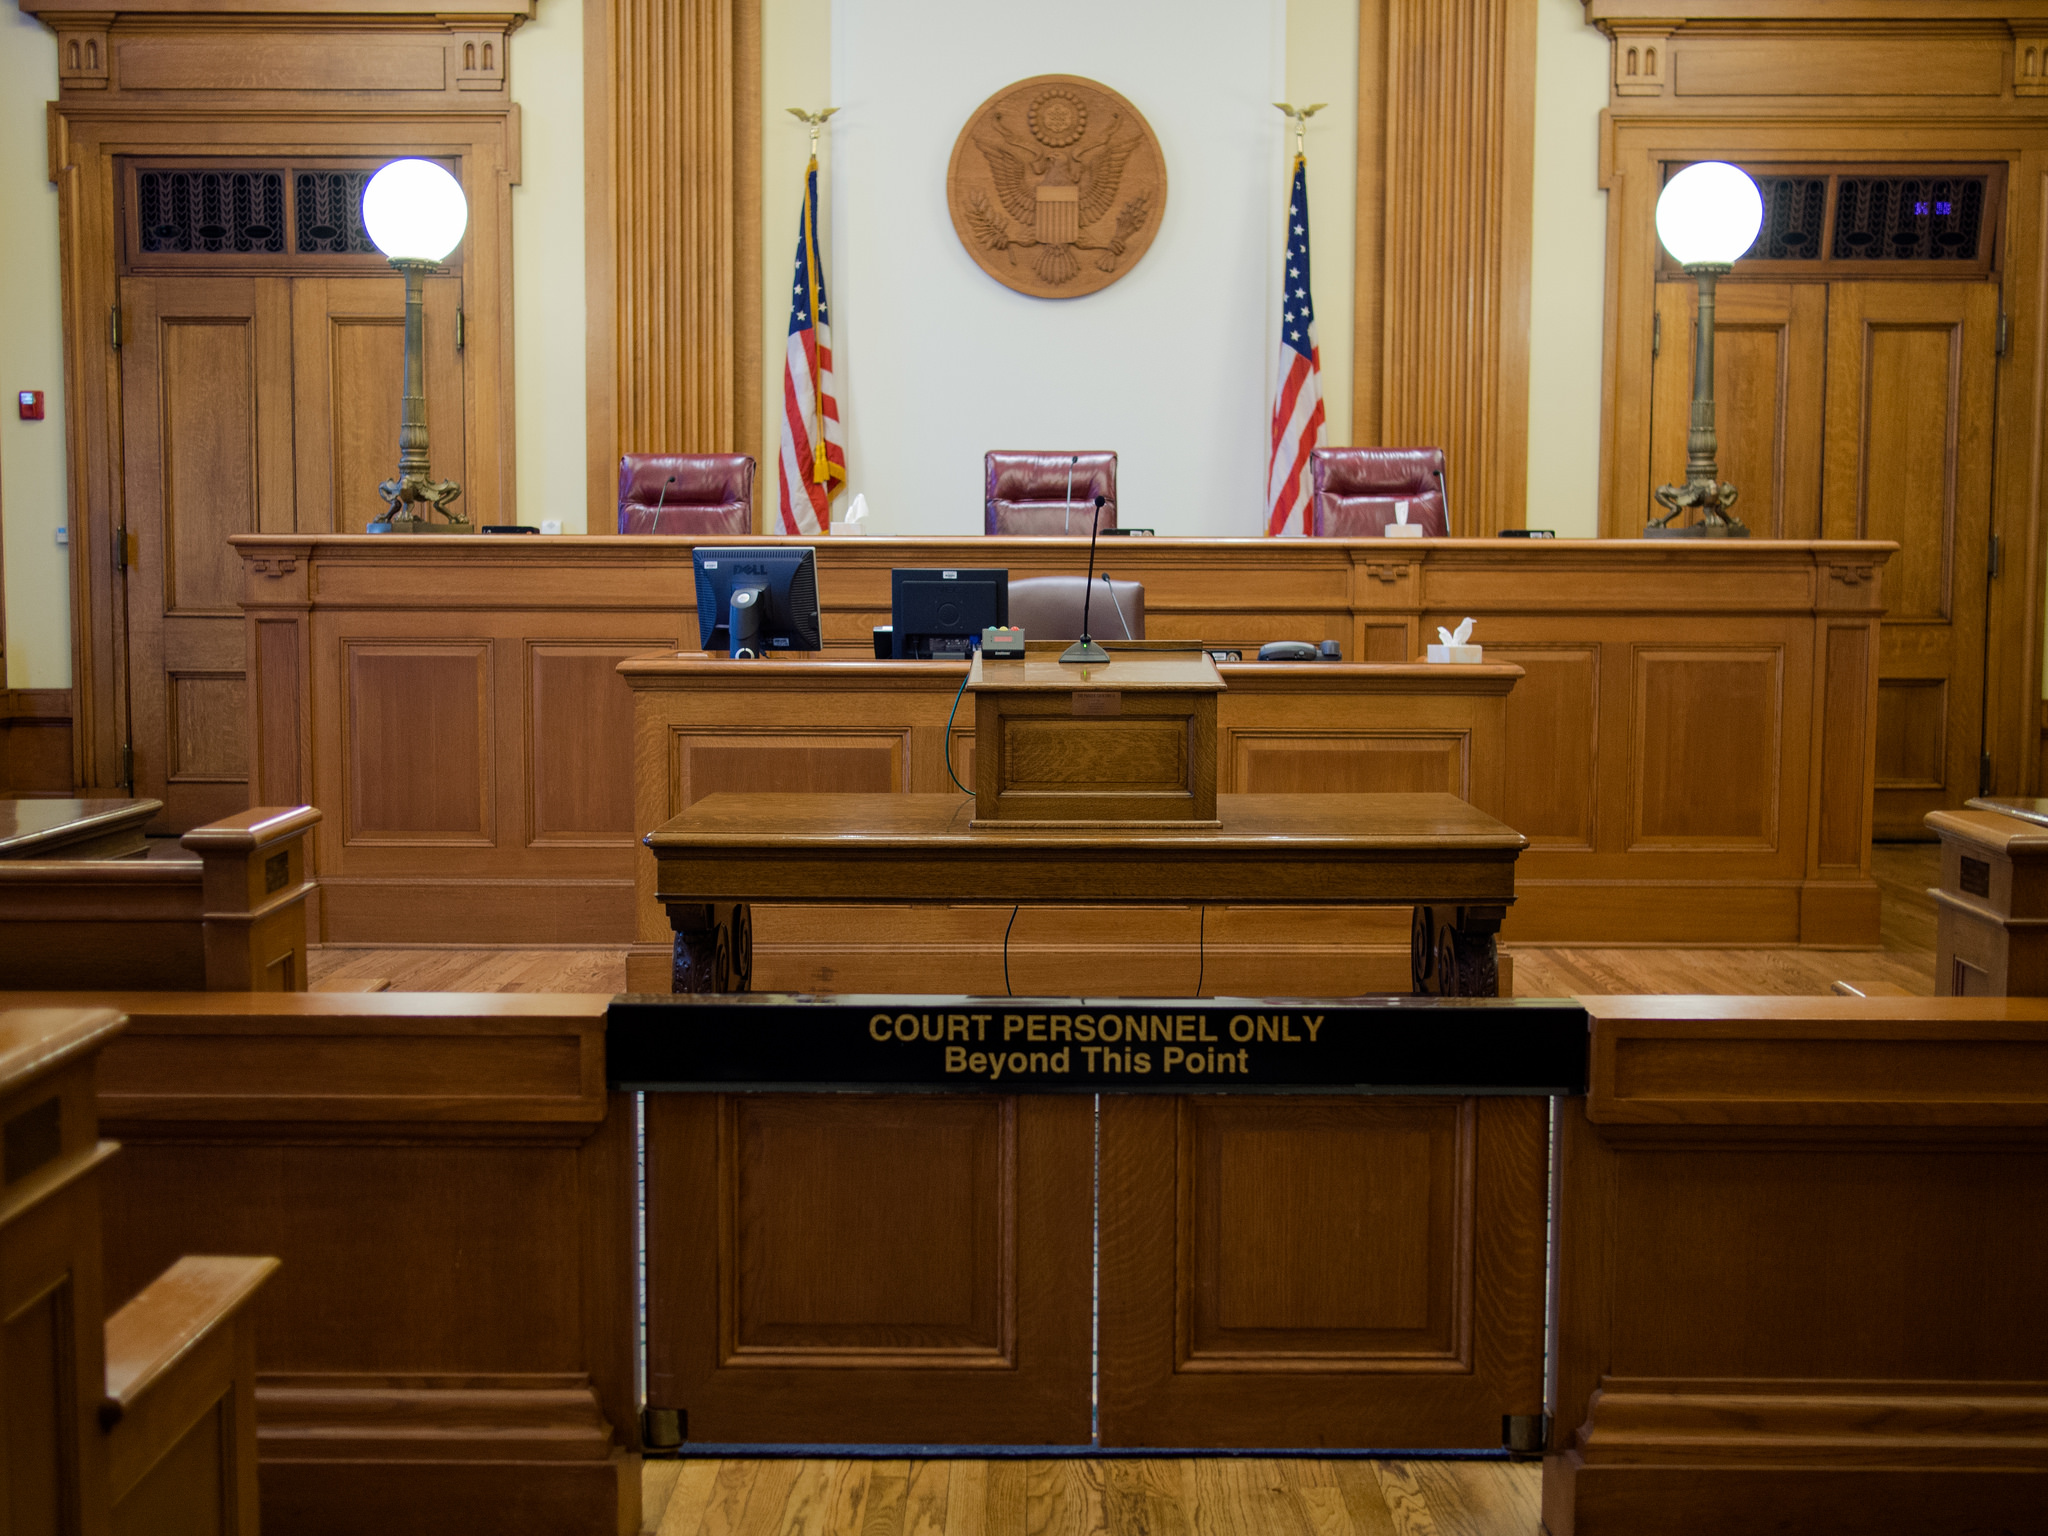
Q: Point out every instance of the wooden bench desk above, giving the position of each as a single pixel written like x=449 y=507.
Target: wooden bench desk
x=1451 y=862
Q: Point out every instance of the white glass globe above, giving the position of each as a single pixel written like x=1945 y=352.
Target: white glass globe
x=415 y=211
x=1709 y=212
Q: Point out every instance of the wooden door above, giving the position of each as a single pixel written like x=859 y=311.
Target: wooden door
x=1321 y=1272
x=869 y=1268
x=348 y=336
x=1770 y=361
x=1909 y=408
x=206 y=416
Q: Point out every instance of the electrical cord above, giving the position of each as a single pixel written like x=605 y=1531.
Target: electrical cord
x=948 y=744
x=1006 y=952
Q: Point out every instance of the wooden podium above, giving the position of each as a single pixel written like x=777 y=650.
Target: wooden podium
x=1127 y=742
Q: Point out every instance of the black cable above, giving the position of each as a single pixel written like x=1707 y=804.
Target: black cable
x=1201 y=948
x=948 y=743
x=1006 y=952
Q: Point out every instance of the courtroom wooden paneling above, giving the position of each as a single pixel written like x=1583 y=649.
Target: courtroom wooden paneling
x=1794 y=1268
x=246 y=81
x=448 y=1341
x=1632 y=649
x=871 y=1268
x=1882 y=88
x=671 y=133
x=35 y=742
x=1305 y=1272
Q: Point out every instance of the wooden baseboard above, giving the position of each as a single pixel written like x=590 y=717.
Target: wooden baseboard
x=371 y=911
x=35 y=743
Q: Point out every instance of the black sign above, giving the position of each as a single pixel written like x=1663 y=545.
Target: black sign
x=846 y=1043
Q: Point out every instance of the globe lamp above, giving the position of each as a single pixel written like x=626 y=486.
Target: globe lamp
x=1707 y=217
x=415 y=213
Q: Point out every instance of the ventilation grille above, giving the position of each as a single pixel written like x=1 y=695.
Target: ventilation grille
x=1908 y=218
x=210 y=212
x=330 y=213
x=1795 y=219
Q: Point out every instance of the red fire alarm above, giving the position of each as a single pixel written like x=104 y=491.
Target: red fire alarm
x=31 y=405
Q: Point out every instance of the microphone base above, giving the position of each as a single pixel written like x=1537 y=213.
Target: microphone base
x=1085 y=649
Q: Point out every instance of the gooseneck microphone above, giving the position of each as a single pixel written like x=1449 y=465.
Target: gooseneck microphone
x=1067 y=518
x=671 y=480
x=1085 y=649
x=1110 y=587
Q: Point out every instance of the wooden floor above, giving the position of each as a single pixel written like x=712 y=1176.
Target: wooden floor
x=1208 y=1496
x=1904 y=871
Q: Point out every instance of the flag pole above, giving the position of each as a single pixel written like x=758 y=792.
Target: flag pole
x=821 y=473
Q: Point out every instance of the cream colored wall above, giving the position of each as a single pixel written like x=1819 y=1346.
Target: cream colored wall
x=546 y=69
x=1567 y=275
x=796 y=71
x=32 y=467
x=1322 y=65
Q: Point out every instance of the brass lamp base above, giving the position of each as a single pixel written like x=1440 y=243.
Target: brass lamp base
x=420 y=525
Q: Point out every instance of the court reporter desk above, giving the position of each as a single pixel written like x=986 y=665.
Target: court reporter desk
x=453 y=705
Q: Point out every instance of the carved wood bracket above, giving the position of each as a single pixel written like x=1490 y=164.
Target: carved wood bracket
x=1386 y=573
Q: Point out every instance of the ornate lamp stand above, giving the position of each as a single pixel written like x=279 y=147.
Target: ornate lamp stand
x=415 y=486
x=1703 y=486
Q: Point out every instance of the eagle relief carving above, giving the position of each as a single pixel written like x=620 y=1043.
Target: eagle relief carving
x=1056 y=186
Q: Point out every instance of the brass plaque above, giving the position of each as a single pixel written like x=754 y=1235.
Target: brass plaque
x=1056 y=186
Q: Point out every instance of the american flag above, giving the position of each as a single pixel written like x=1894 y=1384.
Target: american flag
x=813 y=451
x=1298 y=402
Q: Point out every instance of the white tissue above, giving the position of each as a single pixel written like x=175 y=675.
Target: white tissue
x=1456 y=636
x=1401 y=513
x=859 y=509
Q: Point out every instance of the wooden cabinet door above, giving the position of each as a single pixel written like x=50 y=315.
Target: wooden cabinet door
x=348 y=338
x=1320 y=1272
x=871 y=1268
x=1909 y=408
x=1770 y=363
x=206 y=413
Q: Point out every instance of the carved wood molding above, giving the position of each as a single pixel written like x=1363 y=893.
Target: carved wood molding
x=671 y=140
x=1444 y=330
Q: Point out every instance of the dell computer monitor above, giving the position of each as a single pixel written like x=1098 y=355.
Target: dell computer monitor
x=758 y=599
x=942 y=613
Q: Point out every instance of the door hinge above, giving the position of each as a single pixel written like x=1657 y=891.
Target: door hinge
x=1997 y=560
x=1525 y=1434
x=458 y=328
x=1656 y=335
x=2004 y=333
x=1984 y=774
x=128 y=767
x=664 y=1429
x=114 y=326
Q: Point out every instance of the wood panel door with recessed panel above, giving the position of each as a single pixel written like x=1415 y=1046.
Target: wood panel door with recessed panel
x=867 y=1268
x=1310 y=1272
x=206 y=414
x=1910 y=382
x=1770 y=357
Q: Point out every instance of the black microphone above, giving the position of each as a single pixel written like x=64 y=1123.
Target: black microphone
x=1110 y=587
x=1085 y=649
x=1067 y=520
x=671 y=480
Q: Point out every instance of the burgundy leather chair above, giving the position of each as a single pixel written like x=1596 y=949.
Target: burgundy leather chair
x=1049 y=607
x=1027 y=492
x=688 y=494
x=1356 y=488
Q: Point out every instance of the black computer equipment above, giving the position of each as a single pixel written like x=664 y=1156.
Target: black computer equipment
x=942 y=613
x=753 y=600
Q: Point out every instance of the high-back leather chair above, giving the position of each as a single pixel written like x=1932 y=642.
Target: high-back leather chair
x=1027 y=492
x=1356 y=488
x=1049 y=608
x=687 y=494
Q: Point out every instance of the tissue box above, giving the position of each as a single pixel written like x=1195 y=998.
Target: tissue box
x=1463 y=653
x=1402 y=531
x=840 y=530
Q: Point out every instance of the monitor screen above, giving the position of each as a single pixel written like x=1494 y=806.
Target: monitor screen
x=942 y=612
x=756 y=599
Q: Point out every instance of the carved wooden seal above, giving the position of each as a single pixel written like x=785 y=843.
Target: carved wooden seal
x=1056 y=186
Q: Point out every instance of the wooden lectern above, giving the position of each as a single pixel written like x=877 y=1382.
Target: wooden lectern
x=1127 y=742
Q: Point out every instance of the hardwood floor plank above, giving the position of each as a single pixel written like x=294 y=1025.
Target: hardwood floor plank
x=1062 y=1498
x=1003 y=1505
x=1148 y=1497
x=1462 y=1498
x=657 y=1485
x=888 y=1486
x=750 y=1505
x=1245 y=1496
x=682 y=1511
x=924 y=1502
x=1363 y=1500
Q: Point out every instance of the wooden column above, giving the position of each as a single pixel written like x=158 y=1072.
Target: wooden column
x=672 y=137
x=1448 y=107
